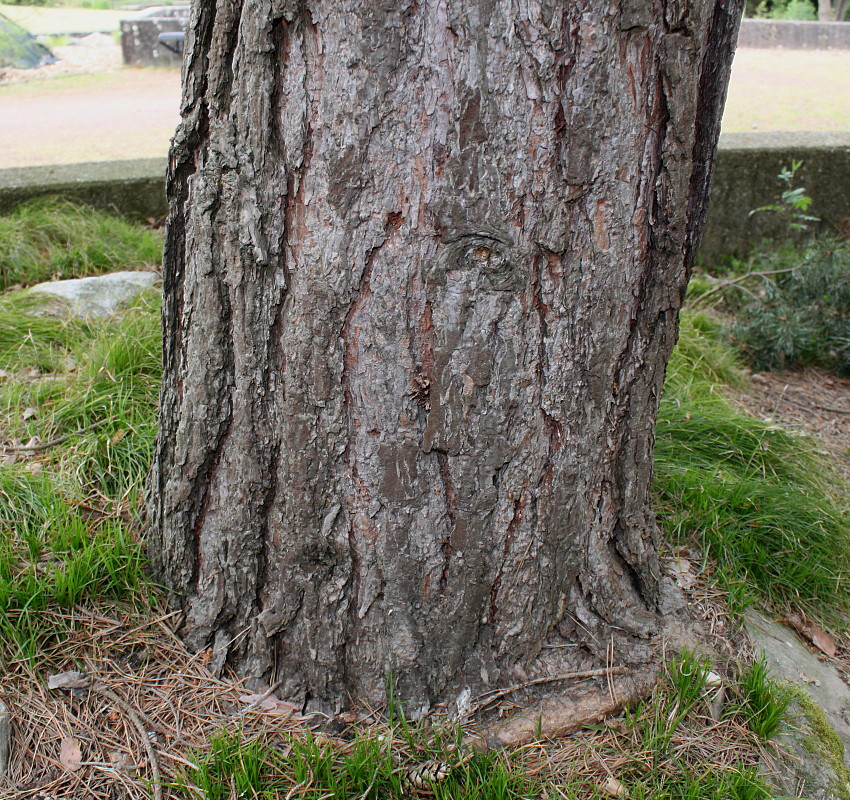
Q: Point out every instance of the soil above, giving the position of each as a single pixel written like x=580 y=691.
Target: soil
x=810 y=401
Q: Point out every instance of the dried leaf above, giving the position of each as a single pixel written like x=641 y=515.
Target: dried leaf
x=270 y=705
x=682 y=571
x=614 y=788
x=812 y=633
x=35 y=468
x=70 y=754
x=119 y=435
x=29 y=413
x=68 y=680
x=823 y=641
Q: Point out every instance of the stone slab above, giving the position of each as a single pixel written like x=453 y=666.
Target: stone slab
x=817 y=742
x=99 y=296
x=134 y=189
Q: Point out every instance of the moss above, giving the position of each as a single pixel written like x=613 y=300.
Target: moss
x=824 y=742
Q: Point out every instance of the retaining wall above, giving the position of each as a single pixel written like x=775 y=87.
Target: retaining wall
x=794 y=35
x=745 y=177
x=140 y=36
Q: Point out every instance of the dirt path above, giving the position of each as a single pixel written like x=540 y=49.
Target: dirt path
x=114 y=113
x=811 y=401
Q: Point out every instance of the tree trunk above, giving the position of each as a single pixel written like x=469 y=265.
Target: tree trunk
x=424 y=264
x=826 y=13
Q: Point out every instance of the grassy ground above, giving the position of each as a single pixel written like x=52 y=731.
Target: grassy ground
x=77 y=421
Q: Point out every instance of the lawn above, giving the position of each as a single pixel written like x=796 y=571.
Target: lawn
x=788 y=90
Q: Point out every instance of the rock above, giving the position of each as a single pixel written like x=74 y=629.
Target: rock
x=5 y=739
x=817 y=745
x=95 y=40
x=96 y=297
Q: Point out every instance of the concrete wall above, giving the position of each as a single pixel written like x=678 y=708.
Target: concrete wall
x=139 y=36
x=744 y=179
x=134 y=189
x=794 y=35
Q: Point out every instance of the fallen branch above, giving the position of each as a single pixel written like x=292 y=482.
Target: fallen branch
x=740 y=279
x=498 y=694
x=38 y=448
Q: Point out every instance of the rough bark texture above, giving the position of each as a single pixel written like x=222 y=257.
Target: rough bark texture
x=423 y=270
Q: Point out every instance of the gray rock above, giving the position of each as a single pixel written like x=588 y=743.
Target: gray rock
x=99 y=296
x=5 y=739
x=817 y=744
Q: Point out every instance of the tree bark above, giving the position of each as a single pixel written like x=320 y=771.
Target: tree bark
x=424 y=264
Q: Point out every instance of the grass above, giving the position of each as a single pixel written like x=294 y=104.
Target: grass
x=54 y=238
x=764 y=704
x=389 y=763
x=759 y=501
x=47 y=20
x=70 y=509
x=664 y=749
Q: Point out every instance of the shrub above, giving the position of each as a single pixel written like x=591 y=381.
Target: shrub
x=800 y=316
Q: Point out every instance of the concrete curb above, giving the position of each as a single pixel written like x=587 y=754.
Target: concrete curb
x=134 y=189
x=744 y=178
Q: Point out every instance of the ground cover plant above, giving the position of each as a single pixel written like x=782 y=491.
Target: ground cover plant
x=758 y=499
x=791 y=308
x=77 y=421
x=54 y=238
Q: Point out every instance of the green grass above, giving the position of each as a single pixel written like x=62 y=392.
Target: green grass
x=763 y=704
x=55 y=238
x=759 y=501
x=69 y=523
x=372 y=766
x=44 y=19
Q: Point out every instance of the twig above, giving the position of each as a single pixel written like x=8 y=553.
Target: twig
x=37 y=448
x=820 y=407
x=732 y=281
x=567 y=676
x=156 y=775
